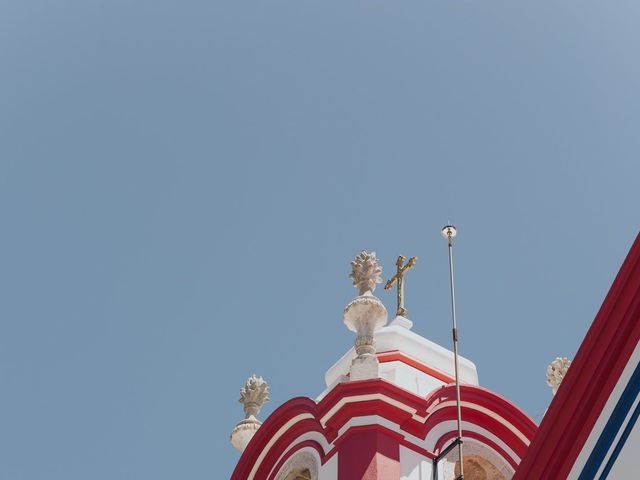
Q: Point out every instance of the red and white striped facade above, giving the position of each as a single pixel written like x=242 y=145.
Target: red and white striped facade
x=392 y=427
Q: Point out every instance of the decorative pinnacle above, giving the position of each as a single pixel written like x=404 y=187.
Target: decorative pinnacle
x=366 y=272
x=254 y=395
x=556 y=372
x=449 y=232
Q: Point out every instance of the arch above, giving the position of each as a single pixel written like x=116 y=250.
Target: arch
x=426 y=424
x=480 y=463
x=486 y=417
x=302 y=465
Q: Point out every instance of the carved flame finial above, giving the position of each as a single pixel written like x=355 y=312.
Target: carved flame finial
x=556 y=372
x=254 y=395
x=366 y=272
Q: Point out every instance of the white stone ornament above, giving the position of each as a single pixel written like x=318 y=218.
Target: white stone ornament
x=253 y=396
x=365 y=314
x=366 y=272
x=556 y=372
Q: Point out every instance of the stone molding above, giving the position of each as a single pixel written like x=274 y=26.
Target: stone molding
x=299 y=461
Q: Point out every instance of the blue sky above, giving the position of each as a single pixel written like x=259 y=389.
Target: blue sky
x=183 y=185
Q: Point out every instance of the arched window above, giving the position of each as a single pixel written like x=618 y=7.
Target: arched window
x=303 y=465
x=480 y=463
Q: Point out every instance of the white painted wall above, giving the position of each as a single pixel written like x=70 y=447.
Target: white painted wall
x=409 y=378
x=329 y=471
x=414 y=466
x=396 y=337
x=628 y=463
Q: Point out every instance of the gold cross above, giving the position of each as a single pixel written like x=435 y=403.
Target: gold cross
x=398 y=278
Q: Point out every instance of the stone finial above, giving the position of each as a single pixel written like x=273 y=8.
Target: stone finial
x=365 y=314
x=366 y=272
x=253 y=396
x=556 y=372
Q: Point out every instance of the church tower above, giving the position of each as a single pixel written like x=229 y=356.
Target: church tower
x=389 y=410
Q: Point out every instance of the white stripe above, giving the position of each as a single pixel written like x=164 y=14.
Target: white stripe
x=378 y=420
x=368 y=397
x=490 y=413
x=451 y=425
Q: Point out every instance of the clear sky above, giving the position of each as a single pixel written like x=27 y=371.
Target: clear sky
x=183 y=185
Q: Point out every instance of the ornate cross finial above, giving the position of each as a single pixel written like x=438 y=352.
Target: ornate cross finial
x=398 y=279
x=365 y=272
x=556 y=372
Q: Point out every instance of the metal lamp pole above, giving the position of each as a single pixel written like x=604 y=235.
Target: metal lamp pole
x=449 y=232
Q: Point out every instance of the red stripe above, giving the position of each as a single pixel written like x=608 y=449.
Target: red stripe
x=482 y=420
x=397 y=356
